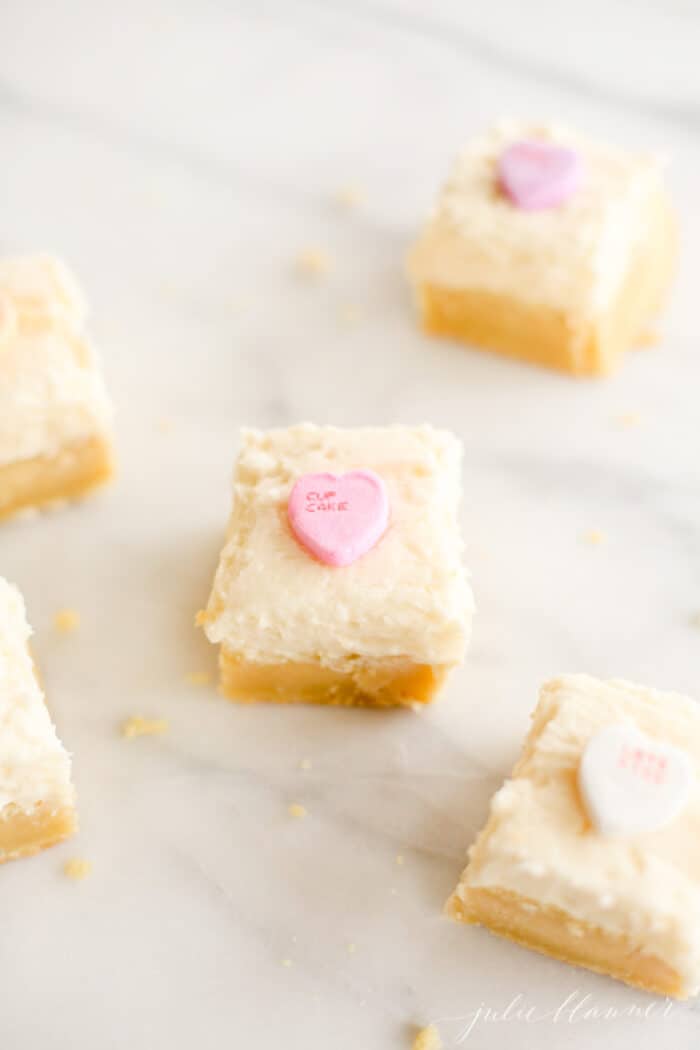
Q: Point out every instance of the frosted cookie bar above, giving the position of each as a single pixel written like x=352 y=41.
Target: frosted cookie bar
x=547 y=247
x=55 y=417
x=36 y=796
x=341 y=580
x=591 y=852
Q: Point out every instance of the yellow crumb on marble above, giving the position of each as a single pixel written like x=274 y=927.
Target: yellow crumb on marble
x=139 y=726
x=649 y=337
x=575 y=929
x=352 y=948
x=198 y=678
x=287 y=963
x=77 y=868
x=66 y=621
x=238 y=304
x=399 y=858
x=313 y=262
x=594 y=537
x=629 y=419
x=428 y=1039
x=305 y=764
x=297 y=811
x=54 y=506
x=168 y=290
x=349 y=315
x=348 y=196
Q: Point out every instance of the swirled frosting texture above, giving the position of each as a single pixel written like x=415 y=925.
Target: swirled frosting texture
x=51 y=390
x=408 y=596
x=539 y=843
x=572 y=258
x=34 y=767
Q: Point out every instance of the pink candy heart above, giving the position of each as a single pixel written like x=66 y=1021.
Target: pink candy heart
x=632 y=783
x=338 y=518
x=536 y=175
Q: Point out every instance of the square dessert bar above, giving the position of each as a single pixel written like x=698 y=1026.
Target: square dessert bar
x=55 y=417
x=37 y=801
x=547 y=247
x=591 y=853
x=342 y=580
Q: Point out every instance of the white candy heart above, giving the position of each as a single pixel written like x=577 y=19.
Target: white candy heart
x=632 y=783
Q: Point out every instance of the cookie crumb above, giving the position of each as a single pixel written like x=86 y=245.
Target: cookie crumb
x=399 y=858
x=238 y=304
x=66 y=621
x=305 y=764
x=594 y=537
x=313 y=262
x=352 y=948
x=77 y=868
x=348 y=315
x=139 y=726
x=348 y=197
x=198 y=678
x=53 y=506
x=575 y=929
x=287 y=963
x=26 y=514
x=649 y=337
x=629 y=419
x=297 y=811
x=200 y=617
x=428 y=1039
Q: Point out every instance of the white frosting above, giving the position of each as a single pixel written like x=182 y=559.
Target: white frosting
x=51 y=390
x=34 y=767
x=571 y=258
x=539 y=843
x=407 y=597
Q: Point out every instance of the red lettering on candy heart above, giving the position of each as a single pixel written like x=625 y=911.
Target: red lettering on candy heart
x=644 y=764
x=315 y=502
x=632 y=783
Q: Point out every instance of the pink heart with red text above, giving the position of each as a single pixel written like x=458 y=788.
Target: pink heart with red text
x=338 y=518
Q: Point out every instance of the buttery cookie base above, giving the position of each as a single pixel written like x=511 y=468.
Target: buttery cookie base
x=553 y=932
x=68 y=475
x=25 y=833
x=542 y=335
x=389 y=683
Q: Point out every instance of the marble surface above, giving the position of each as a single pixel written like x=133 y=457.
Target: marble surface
x=180 y=156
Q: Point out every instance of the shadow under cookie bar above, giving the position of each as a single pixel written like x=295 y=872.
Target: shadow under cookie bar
x=393 y=683
x=70 y=474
